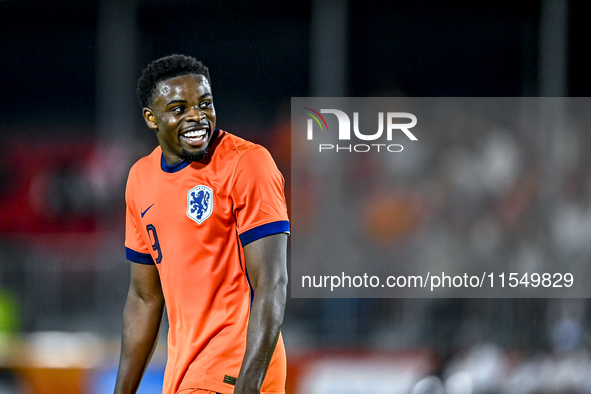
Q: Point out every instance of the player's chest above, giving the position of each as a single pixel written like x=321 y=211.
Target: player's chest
x=178 y=202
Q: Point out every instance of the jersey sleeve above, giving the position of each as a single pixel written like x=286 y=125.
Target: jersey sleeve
x=258 y=196
x=135 y=248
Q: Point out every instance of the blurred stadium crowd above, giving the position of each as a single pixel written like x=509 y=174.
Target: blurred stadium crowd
x=457 y=199
x=514 y=193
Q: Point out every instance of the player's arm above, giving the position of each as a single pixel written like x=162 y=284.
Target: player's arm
x=267 y=270
x=141 y=321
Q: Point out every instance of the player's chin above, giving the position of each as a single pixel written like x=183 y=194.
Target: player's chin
x=191 y=155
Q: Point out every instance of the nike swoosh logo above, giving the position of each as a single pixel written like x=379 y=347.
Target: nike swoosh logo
x=143 y=213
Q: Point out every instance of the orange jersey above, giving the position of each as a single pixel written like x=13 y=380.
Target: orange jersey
x=191 y=220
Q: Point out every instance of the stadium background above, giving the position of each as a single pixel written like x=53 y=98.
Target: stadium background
x=71 y=127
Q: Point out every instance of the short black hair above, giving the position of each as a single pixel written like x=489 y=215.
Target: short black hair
x=165 y=68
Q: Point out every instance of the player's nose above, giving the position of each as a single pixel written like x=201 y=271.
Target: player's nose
x=195 y=113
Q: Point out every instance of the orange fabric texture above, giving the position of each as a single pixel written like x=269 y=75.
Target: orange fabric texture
x=189 y=220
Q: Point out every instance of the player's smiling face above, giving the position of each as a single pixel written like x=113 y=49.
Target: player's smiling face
x=183 y=116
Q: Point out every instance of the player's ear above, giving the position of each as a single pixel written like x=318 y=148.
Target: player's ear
x=150 y=118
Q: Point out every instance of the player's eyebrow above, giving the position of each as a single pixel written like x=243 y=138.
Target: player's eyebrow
x=175 y=102
x=206 y=94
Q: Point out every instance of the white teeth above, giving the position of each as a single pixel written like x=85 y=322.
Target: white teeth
x=193 y=134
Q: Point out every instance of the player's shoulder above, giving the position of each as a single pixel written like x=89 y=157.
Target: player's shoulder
x=145 y=164
x=148 y=160
x=235 y=144
x=244 y=149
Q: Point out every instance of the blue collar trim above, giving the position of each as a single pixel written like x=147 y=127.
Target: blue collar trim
x=172 y=168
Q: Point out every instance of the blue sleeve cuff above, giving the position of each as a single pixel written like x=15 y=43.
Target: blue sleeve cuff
x=138 y=257
x=264 y=230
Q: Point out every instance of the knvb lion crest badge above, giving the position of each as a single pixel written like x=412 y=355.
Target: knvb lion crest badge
x=199 y=203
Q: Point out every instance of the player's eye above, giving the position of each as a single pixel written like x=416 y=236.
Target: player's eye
x=179 y=109
x=206 y=104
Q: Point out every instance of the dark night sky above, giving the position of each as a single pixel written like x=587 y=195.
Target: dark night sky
x=258 y=52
